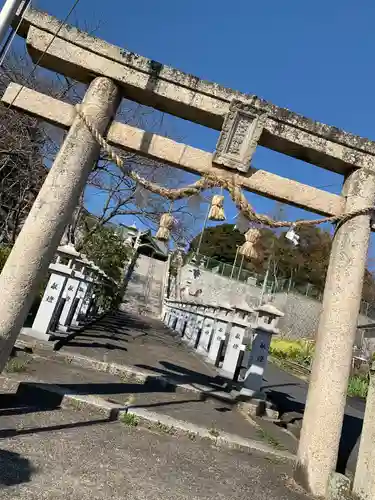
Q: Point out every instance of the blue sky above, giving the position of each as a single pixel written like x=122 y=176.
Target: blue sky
x=315 y=58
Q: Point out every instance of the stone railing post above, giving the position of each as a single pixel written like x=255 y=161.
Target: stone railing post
x=221 y=327
x=207 y=330
x=69 y=294
x=192 y=318
x=166 y=311
x=235 y=340
x=197 y=328
x=173 y=314
x=179 y=317
x=44 y=227
x=87 y=286
x=264 y=327
x=324 y=412
x=180 y=325
x=50 y=304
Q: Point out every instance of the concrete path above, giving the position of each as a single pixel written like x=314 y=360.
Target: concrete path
x=146 y=344
x=143 y=343
x=62 y=454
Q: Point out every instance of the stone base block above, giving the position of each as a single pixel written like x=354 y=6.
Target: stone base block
x=339 y=487
x=255 y=407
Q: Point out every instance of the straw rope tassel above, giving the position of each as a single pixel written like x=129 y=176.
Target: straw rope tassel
x=165 y=227
x=217 y=208
x=248 y=248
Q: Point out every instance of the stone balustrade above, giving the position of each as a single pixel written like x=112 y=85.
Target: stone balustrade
x=76 y=293
x=229 y=338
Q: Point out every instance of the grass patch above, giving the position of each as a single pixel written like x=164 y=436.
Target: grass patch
x=16 y=365
x=214 y=432
x=265 y=436
x=130 y=419
x=166 y=429
x=300 y=351
x=358 y=385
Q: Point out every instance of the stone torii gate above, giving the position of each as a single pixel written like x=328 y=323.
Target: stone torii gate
x=245 y=121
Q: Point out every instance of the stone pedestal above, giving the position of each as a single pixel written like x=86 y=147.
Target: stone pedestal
x=81 y=293
x=253 y=380
x=197 y=329
x=72 y=295
x=182 y=320
x=207 y=331
x=233 y=349
x=264 y=327
x=166 y=311
x=191 y=320
x=220 y=331
x=60 y=273
x=44 y=316
x=87 y=300
x=172 y=316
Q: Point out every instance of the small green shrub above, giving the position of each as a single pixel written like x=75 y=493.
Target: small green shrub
x=130 y=419
x=300 y=351
x=358 y=385
x=4 y=253
x=15 y=365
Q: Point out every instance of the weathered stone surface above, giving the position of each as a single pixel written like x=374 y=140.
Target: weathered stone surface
x=364 y=479
x=323 y=417
x=187 y=96
x=239 y=137
x=179 y=155
x=339 y=487
x=53 y=207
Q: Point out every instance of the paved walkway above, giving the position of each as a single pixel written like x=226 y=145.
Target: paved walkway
x=186 y=406
x=51 y=452
x=141 y=342
x=144 y=343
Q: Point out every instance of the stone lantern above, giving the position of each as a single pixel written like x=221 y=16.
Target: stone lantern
x=264 y=327
x=49 y=310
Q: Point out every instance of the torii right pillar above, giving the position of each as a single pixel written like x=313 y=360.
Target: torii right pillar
x=324 y=413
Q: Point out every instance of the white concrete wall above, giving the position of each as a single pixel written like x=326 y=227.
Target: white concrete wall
x=216 y=289
x=144 y=293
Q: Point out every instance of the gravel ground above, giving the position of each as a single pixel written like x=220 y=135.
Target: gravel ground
x=63 y=454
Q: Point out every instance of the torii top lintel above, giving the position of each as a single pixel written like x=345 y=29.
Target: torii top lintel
x=81 y=56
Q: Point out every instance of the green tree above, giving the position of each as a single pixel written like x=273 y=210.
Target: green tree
x=107 y=250
x=219 y=242
x=305 y=263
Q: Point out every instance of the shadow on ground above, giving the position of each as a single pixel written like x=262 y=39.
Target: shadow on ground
x=24 y=402
x=118 y=327
x=183 y=375
x=14 y=469
x=291 y=412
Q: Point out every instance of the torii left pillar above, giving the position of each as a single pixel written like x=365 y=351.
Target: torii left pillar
x=51 y=212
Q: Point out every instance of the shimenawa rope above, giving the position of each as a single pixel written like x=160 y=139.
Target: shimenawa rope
x=210 y=181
